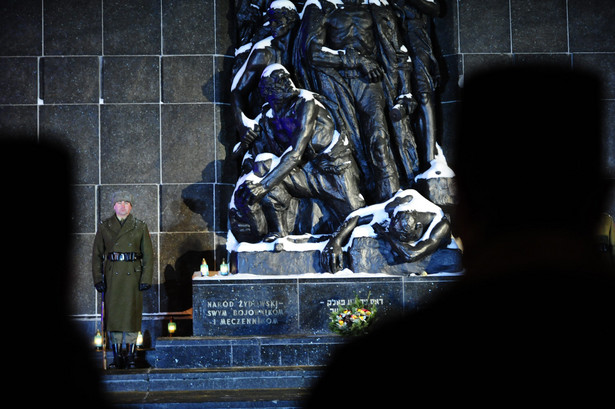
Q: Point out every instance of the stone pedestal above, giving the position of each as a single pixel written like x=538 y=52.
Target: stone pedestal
x=365 y=255
x=299 y=305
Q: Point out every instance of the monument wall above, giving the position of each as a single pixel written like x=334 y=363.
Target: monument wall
x=138 y=92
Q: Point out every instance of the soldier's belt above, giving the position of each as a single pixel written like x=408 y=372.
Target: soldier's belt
x=115 y=256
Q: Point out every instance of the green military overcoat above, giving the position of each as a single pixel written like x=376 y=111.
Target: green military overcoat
x=123 y=300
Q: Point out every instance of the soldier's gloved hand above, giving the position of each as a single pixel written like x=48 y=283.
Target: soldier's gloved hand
x=100 y=286
x=144 y=287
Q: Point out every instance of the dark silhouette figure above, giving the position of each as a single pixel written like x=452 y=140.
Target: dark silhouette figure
x=50 y=357
x=531 y=321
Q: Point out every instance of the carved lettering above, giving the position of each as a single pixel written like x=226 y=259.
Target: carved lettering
x=244 y=312
x=220 y=304
x=334 y=304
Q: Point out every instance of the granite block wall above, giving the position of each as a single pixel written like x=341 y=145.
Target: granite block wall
x=137 y=91
x=475 y=34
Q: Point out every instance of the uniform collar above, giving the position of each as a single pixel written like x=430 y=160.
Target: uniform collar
x=129 y=223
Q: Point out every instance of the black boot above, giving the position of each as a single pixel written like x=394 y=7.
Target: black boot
x=131 y=350
x=117 y=357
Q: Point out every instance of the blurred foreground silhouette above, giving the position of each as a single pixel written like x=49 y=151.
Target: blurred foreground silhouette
x=531 y=322
x=49 y=360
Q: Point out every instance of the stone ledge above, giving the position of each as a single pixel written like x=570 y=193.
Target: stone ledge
x=209 y=379
x=366 y=255
x=230 y=352
x=240 y=398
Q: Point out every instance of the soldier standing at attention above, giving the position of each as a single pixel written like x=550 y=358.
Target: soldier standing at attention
x=122 y=267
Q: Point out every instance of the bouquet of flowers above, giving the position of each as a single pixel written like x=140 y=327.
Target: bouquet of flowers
x=353 y=319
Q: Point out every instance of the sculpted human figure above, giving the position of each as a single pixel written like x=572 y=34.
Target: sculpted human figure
x=249 y=19
x=315 y=161
x=343 y=53
x=416 y=18
x=245 y=99
x=413 y=226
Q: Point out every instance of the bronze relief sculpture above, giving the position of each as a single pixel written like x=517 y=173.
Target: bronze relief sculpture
x=335 y=112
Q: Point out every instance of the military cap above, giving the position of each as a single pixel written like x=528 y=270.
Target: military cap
x=120 y=196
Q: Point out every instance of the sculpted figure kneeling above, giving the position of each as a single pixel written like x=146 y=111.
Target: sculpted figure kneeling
x=302 y=155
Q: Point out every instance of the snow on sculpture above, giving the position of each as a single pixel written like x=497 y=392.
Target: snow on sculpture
x=324 y=101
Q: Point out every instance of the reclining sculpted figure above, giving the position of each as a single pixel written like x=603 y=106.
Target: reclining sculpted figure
x=413 y=226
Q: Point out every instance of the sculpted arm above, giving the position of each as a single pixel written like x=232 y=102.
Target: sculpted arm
x=245 y=83
x=305 y=115
x=344 y=58
x=429 y=7
x=331 y=257
x=422 y=248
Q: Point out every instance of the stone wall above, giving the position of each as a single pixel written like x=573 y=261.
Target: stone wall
x=138 y=93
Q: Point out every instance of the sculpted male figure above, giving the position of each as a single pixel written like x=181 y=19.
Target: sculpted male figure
x=413 y=227
x=245 y=99
x=416 y=18
x=315 y=160
x=342 y=45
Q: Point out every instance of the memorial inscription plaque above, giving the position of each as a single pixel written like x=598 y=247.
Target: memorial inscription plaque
x=244 y=307
x=250 y=305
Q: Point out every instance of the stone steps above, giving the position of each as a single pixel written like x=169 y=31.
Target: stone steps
x=234 y=364
x=247 y=398
x=153 y=379
x=261 y=387
x=253 y=351
x=222 y=372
